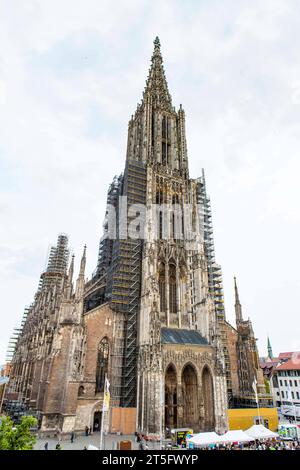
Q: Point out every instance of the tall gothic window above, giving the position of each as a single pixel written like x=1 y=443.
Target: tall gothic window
x=166 y=144
x=102 y=364
x=160 y=226
x=172 y=289
x=162 y=288
x=152 y=128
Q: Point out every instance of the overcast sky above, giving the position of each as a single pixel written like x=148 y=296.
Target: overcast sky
x=71 y=74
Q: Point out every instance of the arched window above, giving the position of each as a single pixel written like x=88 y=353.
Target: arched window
x=162 y=288
x=102 y=364
x=81 y=391
x=165 y=134
x=160 y=226
x=172 y=289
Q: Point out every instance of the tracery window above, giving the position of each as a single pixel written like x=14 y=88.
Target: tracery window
x=166 y=144
x=102 y=364
x=172 y=289
x=162 y=288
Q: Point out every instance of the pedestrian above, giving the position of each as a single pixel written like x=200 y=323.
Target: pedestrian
x=58 y=446
x=85 y=448
x=90 y=430
x=72 y=437
x=46 y=446
x=86 y=431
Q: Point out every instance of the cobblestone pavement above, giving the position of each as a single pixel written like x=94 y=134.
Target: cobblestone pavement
x=110 y=442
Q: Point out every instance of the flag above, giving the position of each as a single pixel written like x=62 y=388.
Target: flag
x=106 y=396
x=254 y=386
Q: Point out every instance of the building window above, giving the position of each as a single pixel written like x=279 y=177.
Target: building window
x=165 y=140
x=280 y=381
x=172 y=289
x=282 y=394
x=293 y=396
x=102 y=364
x=160 y=228
x=295 y=381
x=162 y=288
x=297 y=395
x=291 y=383
x=285 y=383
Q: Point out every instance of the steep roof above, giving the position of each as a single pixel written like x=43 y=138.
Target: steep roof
x=285 y=355
x=176 y=336
x=291 y=364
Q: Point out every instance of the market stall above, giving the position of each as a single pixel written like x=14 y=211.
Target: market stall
x=258 y=431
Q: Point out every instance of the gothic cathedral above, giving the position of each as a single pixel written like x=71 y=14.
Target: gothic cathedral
x=150 y=319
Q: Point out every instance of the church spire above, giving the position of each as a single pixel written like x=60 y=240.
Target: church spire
x=237 y=305
x=270 y=352
x=80 y=279
x=156 y=84
x=71 y=270
x=83 y=262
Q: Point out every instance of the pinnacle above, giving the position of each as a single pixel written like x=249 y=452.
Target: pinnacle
x=156 y=41
x=156 y=84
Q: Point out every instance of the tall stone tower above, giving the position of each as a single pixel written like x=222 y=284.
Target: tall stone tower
x=180 y=368
x=149 y=318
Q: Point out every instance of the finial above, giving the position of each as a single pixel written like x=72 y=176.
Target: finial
x=156 y=42
x=156 y=52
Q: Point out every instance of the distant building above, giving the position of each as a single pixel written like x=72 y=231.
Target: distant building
x=286 y=382
x=283 y=375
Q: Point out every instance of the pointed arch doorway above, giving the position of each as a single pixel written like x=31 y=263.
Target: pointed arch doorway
x=208 y=400
x=190 y=397
x=171 y=397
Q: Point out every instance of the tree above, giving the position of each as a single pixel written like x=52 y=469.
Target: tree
x=17 y=437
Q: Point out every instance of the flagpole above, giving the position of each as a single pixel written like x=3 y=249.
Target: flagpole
x=161 y=411
x=258 y=409
x=295 y=416
x=254 y=386
x=102 y=417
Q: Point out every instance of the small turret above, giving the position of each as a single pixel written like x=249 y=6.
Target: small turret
x=237 y=305
x=80 y=279
x=69 y=282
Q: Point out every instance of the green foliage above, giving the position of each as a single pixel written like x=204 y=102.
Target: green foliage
x=17 y=437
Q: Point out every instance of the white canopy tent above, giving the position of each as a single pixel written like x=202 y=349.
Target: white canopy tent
x=204 y=439
x=235 y=436
x=258 y=431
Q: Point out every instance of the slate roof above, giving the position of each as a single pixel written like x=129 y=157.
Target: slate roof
x=176 y=336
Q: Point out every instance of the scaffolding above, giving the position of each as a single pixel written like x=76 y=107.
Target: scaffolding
x=124 y=281
x=13 y=340
x=215 y=283
x=214 y=271
x=106 y=243
x=57 y=263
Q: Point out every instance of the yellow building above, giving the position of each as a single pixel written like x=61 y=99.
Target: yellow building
x=244 y=418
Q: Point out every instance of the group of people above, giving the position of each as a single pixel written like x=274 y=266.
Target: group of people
x=88 y=432
x=258 y=445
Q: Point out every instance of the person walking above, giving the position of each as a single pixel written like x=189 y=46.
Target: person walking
x=46 y=446
x=72 y=437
